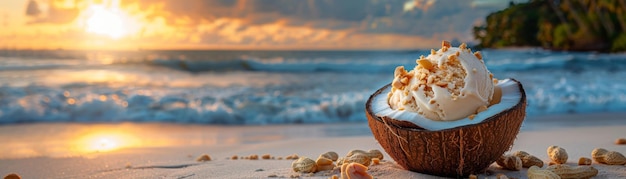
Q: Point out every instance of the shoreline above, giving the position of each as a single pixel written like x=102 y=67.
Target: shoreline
x=169 y=150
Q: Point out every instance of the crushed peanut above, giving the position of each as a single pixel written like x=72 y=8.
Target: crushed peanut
x=463 y=46
x=478 y=55
x=425 y=63
x=445 y=44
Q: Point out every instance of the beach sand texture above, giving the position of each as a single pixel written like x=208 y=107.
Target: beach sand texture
x=159 y=150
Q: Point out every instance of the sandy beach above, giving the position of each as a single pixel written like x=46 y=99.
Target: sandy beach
x=157 y=150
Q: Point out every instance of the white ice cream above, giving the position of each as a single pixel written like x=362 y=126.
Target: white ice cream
x=449 y=84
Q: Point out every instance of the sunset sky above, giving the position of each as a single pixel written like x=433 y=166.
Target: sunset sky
x=238 y=24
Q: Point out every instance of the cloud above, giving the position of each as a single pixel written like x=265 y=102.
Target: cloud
x=55 y=13
x=32 y=9
x=427 y=18
x=418 y=4
x=289 y=23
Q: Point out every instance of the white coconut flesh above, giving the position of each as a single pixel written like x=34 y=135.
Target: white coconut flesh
x=511 y=95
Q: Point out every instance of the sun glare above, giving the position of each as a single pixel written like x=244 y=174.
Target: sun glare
x=105 y=144
x=109 y=22
x=106 y=141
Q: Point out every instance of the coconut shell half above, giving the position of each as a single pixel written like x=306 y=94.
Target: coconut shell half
x=453 y=152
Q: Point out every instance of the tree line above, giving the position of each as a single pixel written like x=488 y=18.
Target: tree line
x=578 y=25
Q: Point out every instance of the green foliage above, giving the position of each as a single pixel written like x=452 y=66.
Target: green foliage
x=514 y=26
x=597 y=25
x=620 y=43
x=561 y=37
x=545 y=34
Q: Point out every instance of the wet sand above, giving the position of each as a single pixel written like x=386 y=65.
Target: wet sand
x=159 y=150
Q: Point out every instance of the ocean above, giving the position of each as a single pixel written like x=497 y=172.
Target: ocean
x=270 y=87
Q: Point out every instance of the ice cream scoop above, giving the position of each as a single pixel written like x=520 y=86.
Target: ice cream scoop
x=413 y=118
x=451 y=83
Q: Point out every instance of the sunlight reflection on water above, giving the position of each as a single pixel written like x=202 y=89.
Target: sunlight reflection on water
x=75 y=139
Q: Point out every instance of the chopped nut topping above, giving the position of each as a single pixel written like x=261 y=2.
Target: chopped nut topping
x=397 y=84
x=445 y=44
x=478 y=55
x=401 y=78
x=442 y=84
x=399 y=71
x=425 y=63
x=445 y=72
x=430 y=79
x=452 y=58
x=404 y=80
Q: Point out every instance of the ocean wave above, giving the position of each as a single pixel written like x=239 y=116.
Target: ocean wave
x=572 y=62
x=273 y=87
x=309 y=62
x=111 y=105
x=322 y=65
x=272 y=104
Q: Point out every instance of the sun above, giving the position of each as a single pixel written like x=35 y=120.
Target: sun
x=105 y=141
x=109 y=22
x=105 y=144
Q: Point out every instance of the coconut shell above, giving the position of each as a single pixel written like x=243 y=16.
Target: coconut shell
x=455 y=152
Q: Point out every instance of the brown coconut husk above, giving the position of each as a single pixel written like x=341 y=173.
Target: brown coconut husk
x=454 y=152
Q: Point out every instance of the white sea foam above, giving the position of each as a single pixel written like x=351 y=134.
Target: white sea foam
x=248 y=87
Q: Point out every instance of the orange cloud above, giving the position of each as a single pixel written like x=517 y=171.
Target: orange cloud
x=167 y=24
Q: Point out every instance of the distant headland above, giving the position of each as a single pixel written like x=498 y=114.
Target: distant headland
x=574 y=25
